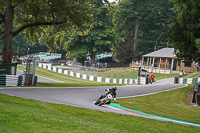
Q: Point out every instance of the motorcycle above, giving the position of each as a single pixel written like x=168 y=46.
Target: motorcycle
x=106 y=99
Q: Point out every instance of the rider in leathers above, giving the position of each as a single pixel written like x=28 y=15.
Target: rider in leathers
x=112 y=91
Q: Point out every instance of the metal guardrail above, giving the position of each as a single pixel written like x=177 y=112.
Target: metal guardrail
x=85 y=70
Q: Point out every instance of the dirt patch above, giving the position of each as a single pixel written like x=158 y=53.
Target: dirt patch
x=189 y=98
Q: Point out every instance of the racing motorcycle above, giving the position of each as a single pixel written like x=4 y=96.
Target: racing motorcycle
x=106 y=99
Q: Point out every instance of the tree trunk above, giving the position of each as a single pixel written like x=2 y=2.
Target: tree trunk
x=137 y=23
x=133 y=41
x=8 y=35
x=92 y=58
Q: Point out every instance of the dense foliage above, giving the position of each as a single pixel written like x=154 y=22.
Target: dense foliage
x=143 y=24
x=30 y=17
x=129 y=28
x=20 y=46
x=185 y=29
x=96 y=37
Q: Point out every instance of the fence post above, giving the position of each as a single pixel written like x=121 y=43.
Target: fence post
x=33 y=79
x=152 y=68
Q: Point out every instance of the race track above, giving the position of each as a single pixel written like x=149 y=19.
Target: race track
x=84 y=96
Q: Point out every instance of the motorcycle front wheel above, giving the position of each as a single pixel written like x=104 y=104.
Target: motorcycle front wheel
x=97 y=102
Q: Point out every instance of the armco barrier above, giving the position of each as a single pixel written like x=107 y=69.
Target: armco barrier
x=186 y=80
x=10 y=80
x=140 y=80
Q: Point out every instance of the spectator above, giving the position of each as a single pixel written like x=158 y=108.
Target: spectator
x=182 y=73
x=152 y=76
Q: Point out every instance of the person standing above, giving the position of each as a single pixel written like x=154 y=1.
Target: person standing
x=152 y=76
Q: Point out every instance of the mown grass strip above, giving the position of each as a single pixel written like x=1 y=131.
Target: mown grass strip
x=192 y=75
x=117 y=73
x=171 y=104
x=127 y=74
x=117 y=106
x=68 y=80
x=23 y=115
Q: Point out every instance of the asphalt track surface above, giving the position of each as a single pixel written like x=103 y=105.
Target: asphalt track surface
x=84 y=96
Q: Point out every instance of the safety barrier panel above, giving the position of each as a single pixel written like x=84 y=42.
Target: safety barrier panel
x=10 y=80
x=139 y=80
x=186 y=80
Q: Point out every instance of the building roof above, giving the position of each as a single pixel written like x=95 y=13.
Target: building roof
x=165 y=52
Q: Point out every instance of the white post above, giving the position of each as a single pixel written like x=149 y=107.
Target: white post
x=172 y=64
x=159 y=65
x=33 y=80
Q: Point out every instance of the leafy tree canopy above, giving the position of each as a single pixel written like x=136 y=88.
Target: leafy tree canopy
x=185 y=29
x=142 y=24
x=30 y=16
x=97 y=36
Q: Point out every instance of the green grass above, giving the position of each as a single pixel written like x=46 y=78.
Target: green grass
x=159 y=76
x=170 y=104
x=126 y=73
x=24 y=115
x=68 y=81
x=192 y=75
x=118 y=73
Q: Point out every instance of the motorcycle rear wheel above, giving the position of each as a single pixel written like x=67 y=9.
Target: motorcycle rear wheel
x=103 y=102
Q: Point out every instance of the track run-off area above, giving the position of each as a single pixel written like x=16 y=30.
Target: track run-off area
x=84 y=96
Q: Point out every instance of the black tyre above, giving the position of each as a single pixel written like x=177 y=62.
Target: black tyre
x=97 y=102
x=108 y=102
x=102 y=102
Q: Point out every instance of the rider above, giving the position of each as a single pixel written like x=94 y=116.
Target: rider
x=112 y=91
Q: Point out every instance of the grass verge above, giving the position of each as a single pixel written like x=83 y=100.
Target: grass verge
x=126 y=73
x=192 y=75
x=171 y=104
x=24 y=115
x=111 y=73
x=68 y=81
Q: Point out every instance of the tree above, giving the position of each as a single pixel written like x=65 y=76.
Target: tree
x=96 y=37
x=124 y=52
x=29 y=16
x=19 y=44
x=99 y=36
x=143 y=24
x=154 y=30
x=185 y=34
x=128 y=19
